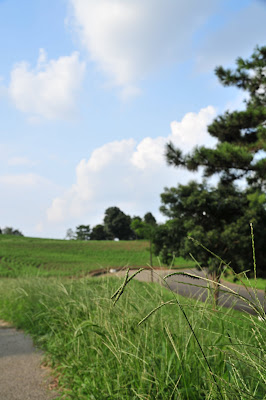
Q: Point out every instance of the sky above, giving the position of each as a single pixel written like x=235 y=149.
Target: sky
x=92 y=90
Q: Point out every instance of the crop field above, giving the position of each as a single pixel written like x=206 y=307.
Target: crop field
x=22 y=256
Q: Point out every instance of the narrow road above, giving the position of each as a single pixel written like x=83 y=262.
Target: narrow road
x=21 y=375
x=182 y=285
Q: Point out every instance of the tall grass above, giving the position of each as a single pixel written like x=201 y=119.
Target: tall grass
x=100 y=351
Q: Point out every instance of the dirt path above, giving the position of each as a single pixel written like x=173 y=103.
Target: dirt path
x=21 y=375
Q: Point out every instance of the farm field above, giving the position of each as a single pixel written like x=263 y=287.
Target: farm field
x=23 y=256
x=98 y=350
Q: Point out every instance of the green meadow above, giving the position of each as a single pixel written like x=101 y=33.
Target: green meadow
x=23 y=256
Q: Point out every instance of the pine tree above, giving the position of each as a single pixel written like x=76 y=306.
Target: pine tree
x=241 y=135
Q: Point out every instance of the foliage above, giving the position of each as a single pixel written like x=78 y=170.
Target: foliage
x=99 y=233
x=99 y=351
x=145 y=229
x=149 y=219
x=241 y=135
x=117 y=224
x=218 y=218
x=83 y=232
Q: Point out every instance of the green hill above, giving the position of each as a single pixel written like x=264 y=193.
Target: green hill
x=24 y=256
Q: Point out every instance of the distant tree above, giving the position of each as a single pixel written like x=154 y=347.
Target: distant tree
x=136 y=223
x=145 y=229
x=117 y=224
x=70 y=235
x=83 y=232
x=10 y=231
x=150 y=219
x=98 y=233
x=0 y=231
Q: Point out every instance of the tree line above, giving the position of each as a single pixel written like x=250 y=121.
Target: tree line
x=116 y=225
x=8 y=230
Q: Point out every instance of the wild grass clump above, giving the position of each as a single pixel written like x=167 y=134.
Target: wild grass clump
x=100 y=351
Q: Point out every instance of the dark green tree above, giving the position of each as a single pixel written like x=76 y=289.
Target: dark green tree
x=98 y=233
x=117 y=224
x=150 y=219
x=83 y=232
x=241 y=135
x=217 y=219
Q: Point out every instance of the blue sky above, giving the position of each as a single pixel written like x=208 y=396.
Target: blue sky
x=90 y=92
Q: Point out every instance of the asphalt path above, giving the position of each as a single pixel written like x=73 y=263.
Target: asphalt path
x=21 y=375
x=185 y=286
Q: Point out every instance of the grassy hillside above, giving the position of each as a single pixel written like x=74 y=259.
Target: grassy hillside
x=22 y=256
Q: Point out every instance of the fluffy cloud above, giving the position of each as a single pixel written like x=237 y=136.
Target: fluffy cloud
x=48 y=90
x=129 y=175
x=189 y=132
x=130 y=39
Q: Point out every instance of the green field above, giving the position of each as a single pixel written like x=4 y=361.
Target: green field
x=22 y=256
x=100 y=352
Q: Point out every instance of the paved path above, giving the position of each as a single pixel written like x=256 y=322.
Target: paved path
x=179 y=284
x=21 y=375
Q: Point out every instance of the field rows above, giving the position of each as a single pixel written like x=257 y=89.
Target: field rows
x=21 y=256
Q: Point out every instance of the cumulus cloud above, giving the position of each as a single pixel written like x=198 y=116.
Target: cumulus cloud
x=48 y=90
x=129 y=175
x=130 y=39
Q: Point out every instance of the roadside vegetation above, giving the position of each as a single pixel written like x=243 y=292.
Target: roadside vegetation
x=258 y=283
x=100 y=351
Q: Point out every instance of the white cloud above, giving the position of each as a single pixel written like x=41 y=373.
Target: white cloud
x=130 y=39
x=20 y=161
x=50 y=89
x=129 y=175
x=186 y=134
